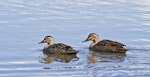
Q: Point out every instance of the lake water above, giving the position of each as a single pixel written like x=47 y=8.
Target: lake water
x=24 y=23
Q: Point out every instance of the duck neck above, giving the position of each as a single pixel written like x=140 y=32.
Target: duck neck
x=94 y=43
x=51 y=43
x=48 y=44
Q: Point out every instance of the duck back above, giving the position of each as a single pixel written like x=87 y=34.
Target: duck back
x=59 y=48
x=108 y=45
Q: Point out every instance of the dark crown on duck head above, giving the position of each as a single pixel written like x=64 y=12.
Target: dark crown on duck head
x=48 y=36
x=93 y=34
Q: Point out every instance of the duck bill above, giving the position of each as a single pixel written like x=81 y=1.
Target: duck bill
x=85 y=41
x=41 y=42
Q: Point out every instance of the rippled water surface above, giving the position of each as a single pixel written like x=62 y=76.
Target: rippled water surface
x=24 y=23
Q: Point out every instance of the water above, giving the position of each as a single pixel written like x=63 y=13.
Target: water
x=25 y=23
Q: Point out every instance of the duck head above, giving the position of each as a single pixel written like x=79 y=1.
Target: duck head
x=48 y=39
x=92 y=37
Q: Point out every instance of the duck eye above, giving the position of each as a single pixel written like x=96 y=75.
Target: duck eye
x=89 y=37
x=45 y=39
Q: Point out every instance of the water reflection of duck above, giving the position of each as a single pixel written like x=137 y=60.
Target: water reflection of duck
x=50 y=58
x=56 y=48
x=104 y=45
x=96 y=56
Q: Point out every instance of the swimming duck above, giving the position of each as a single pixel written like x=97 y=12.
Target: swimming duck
x=104 y=45
x=59 y=48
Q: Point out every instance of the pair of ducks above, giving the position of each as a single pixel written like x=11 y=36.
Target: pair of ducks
x=96 y=45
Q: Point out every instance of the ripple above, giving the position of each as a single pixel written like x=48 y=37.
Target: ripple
x=19 y=62
x=142 y=40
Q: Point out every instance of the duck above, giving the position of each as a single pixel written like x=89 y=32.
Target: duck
x=104 y=45
x=59 y=48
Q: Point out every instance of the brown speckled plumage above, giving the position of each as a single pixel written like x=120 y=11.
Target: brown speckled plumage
x=105 y=45
x=59 y=48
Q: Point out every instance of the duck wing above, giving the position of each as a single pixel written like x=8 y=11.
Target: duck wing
x=60 y=48
x=108 y=45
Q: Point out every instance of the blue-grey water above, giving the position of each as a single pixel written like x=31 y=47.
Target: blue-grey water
x=24 y=23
